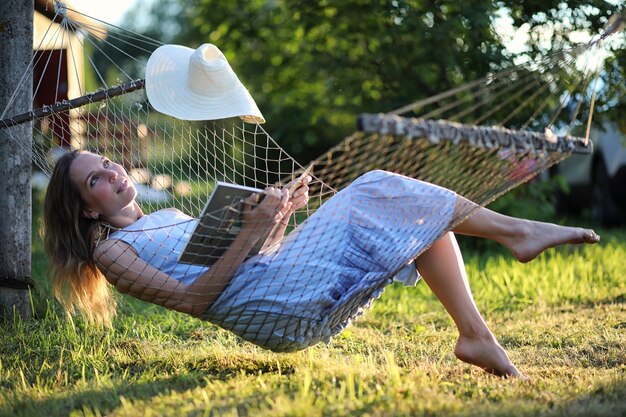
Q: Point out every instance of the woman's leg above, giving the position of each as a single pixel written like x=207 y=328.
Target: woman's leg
x=526 y=239
x=443 y=270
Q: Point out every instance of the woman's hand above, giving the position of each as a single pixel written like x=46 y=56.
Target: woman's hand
x=260 y=218
x=300 y=196
x=268 y=219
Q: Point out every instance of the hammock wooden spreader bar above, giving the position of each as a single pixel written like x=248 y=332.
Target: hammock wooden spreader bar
x=480 y=136
x=67 y=105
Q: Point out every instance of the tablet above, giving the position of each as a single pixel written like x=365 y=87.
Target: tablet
x=218 y=225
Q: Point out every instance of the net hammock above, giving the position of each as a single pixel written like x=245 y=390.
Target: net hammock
x=362 y=226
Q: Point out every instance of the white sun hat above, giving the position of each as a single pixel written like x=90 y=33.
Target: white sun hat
x=197 y=85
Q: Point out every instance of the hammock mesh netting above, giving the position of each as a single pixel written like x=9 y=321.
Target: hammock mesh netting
x=361 y=227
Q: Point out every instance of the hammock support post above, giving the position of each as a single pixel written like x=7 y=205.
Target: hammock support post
x=15 y=164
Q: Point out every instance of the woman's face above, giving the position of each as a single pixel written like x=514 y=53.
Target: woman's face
x=103 y=185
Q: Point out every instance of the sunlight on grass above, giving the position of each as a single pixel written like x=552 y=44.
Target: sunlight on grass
x=561 y=318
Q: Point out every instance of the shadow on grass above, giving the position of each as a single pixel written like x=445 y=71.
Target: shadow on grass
x=106 y=400
x=603 y=401
x=103 y=400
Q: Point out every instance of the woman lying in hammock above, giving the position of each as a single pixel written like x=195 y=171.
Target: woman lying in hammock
x=301 y=291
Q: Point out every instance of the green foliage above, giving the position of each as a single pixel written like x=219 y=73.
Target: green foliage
x=535 y=200
x=611 y=98
x=313 y=66
x=562 y=17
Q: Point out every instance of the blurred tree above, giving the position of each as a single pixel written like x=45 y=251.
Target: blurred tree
x=553 y=22
x=612 y=99
x=314 y=65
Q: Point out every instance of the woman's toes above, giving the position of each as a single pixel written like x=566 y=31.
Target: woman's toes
x=591 y=237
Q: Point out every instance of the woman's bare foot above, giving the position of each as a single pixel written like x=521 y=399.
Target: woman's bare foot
x=486 y=353
x=533 y=237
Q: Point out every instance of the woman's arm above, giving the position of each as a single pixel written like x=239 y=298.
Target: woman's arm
x=130 y=274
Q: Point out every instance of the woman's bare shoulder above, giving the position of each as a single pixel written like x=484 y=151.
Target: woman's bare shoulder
x=111 y=250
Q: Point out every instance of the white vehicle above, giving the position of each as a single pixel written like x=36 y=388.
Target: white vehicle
x=598 y=181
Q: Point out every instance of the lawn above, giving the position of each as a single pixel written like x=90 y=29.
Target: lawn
x=562 y=319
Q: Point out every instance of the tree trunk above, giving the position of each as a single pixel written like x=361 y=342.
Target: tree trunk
x=16 y=38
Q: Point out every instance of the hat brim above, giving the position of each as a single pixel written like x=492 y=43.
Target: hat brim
x=169 y=93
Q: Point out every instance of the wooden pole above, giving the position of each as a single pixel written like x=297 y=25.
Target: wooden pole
x=16 y=38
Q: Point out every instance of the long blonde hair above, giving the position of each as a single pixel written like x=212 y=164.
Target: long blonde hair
x=69 y=240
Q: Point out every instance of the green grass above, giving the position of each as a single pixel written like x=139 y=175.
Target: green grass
x=562 y=319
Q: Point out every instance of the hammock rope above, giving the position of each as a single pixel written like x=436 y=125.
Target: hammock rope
x=304 y=296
